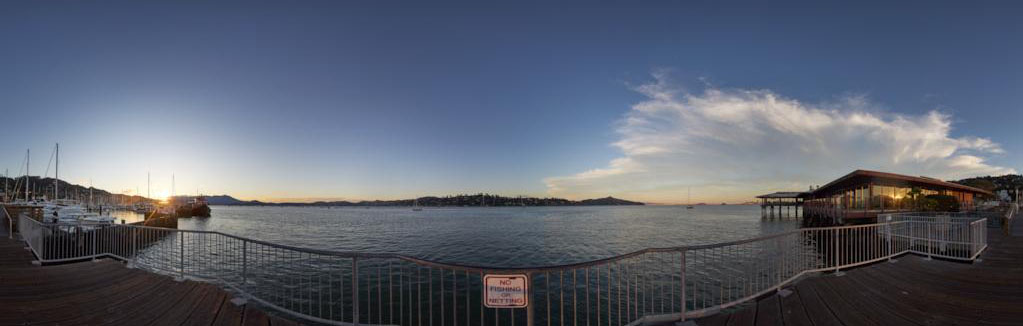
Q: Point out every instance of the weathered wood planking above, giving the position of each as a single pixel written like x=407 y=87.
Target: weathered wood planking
x=912 y=291
x=106 y=293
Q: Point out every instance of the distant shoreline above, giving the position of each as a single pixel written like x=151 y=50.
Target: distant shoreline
x=481 y=200
x=407 y=206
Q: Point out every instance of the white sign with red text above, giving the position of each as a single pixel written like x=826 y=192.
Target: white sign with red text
x=505 y=291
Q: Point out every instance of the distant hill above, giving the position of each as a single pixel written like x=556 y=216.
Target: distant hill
x=228 y=200
x=44 y=187
x=487 y=200
x=607 y=201
x=1008 y=182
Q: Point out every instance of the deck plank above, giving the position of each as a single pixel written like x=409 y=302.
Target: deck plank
x=254 y=317
x=744 y=317
x=818 y=313
x=911 y=291
x=792 y=311
x=228 y=314
x=769 y=311
x=105 y=292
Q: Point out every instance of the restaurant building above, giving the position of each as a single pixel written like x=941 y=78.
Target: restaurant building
x=862 y=195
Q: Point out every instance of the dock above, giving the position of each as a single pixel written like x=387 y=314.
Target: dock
x=911 y=291
x=787 y=205
x=105 y=292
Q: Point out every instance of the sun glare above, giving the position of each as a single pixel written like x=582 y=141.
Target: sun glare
x=161 y=195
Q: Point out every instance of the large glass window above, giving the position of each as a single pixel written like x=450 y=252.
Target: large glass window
x=887 y=198
x=861 y=197
x=901 y=197
x=857 y=200
x=876 y=193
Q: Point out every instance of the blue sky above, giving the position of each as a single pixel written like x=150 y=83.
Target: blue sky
x=386 y=99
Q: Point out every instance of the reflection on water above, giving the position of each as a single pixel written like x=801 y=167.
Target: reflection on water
x=512 y=236
x=127 y=217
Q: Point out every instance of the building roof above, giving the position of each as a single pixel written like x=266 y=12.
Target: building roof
x=784 y=194
x=904 y=178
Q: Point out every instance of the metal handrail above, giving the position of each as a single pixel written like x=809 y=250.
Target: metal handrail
x=10 y=222
x=683 y=281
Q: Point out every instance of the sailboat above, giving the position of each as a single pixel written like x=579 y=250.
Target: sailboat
x=689 y=201
x=415 y=205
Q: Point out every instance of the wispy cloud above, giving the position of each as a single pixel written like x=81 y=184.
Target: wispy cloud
x=731 y=144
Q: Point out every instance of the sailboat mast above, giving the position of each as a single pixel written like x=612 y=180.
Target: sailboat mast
x=56 y=173
x=149 y=191
x=28 y=157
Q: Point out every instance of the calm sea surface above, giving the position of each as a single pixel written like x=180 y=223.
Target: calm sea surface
x=506 y=237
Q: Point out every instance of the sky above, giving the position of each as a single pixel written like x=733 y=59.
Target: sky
x=383 y=99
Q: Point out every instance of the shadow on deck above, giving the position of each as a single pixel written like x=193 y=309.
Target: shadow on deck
x=107 y=292
x=912 y=291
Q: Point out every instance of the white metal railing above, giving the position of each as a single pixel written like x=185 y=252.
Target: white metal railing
x=1010 y=215
x=650 y=285
x=955 y=236
x=10 y=222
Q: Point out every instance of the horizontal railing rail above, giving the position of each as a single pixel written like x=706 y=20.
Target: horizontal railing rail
x=645 y=286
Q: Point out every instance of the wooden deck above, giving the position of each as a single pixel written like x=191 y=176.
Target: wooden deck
x=106 y=292
x=912 y=291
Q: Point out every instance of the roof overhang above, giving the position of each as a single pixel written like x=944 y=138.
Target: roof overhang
x=784 y=194
x=859 y=176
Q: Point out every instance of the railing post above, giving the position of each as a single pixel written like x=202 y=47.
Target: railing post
x=891 y=244
x=95 y=232
x=181 y=240
x=682 y=286
x=355 y=290
x=134 y=248
x=245 y=266
x=838 y=253
x=930 y=243
x=974 y=238
x=531 y=303
x=912 y=234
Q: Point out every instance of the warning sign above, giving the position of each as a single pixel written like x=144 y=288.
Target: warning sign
x=505 y=291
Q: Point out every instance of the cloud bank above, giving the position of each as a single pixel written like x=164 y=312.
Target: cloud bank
x=730 y=145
